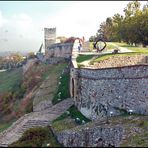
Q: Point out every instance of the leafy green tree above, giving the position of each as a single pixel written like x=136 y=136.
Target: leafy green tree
x=106 y=29
x=117 y=27
x=131 y=28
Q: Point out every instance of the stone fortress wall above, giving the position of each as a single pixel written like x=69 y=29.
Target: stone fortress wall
x=97 y=92
x=59 y=50
x=53 y=49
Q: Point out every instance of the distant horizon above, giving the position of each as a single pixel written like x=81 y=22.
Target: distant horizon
x=22 y=25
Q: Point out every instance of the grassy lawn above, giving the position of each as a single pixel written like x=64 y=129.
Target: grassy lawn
x=122 y=44
x=133 y=48
x=139 y=49
x=10 y=82
x=82 y=58
x=63 y=86
x=9 y=79
x=110 y=46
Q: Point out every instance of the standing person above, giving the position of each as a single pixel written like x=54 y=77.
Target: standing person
x=79 y=48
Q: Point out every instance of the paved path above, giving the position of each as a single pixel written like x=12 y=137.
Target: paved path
x=93 y=52
x=122 y=49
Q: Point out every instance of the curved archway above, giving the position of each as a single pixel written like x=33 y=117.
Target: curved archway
x=80 y=40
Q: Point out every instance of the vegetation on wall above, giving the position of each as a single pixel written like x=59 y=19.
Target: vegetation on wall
x=74 y=113
x=63 y=91
x=70 y=119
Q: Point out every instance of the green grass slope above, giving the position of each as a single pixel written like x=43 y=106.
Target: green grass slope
x=9 y=79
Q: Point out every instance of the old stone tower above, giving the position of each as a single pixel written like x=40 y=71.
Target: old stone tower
x=49 y=36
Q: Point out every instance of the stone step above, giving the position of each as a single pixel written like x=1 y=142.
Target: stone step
x=23 y=129
x=14 y=125
x=34 y=119
x=32 y=125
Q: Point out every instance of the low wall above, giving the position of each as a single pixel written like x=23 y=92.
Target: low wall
x=97 y=92
x=119 y=61
x=94 y=136
x=59 y=50
x=54 y=60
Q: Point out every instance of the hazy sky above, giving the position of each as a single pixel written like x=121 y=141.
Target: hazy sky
x=22 y=23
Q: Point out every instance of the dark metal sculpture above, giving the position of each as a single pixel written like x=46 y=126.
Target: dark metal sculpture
x=97 y=45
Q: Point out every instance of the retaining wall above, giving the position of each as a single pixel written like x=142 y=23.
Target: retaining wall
x=97 y=92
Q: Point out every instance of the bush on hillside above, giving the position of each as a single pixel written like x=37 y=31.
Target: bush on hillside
x=36 y=137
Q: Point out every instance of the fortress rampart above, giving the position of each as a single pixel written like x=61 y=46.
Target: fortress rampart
x=97 y=92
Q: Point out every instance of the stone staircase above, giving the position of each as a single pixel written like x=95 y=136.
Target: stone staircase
x=34 y=119
x=33 y=123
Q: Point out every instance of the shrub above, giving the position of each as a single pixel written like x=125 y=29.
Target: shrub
x=36 y=137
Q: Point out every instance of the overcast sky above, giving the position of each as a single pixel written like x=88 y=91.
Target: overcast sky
x=22 y=23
